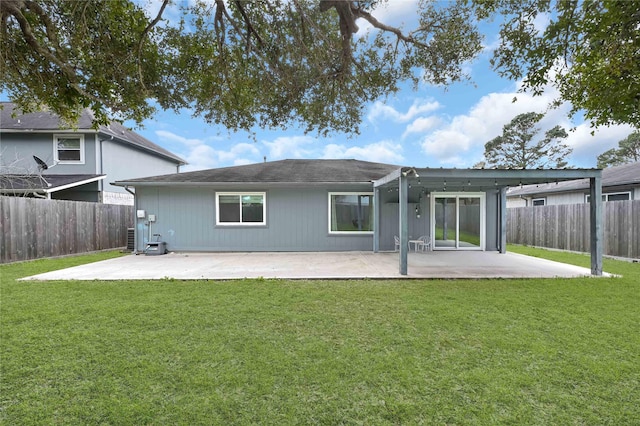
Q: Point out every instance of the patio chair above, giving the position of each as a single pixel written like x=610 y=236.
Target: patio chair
x=397 y=242
x=425 y=243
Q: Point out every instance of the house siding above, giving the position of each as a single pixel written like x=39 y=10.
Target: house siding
x=297 y=220
x=17 y=151
x=575 y=197
x=121 y=162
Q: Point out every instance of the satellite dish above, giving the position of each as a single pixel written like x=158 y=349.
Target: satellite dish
x=41 y=164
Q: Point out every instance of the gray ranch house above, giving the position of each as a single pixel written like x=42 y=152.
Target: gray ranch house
x=80 y=162
x=337 y=205
x=619 y=183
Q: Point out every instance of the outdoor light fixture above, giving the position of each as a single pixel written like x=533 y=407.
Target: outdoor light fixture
x=411 y=171
x=418 y=211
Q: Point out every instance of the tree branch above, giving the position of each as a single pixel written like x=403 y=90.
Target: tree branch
x=143 y=37
x=13 y=9
x=379 y=25
x=250 y=28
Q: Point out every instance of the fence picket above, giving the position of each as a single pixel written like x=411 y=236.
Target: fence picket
x=34 y=228
x=567 y=227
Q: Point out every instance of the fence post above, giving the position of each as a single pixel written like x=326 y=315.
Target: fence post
x=595 y=208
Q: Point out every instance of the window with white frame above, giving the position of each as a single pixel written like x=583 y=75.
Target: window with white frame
x=612 y=196
x=68 y=149
x=241 y=208
x=538 y=202
x=351 y=213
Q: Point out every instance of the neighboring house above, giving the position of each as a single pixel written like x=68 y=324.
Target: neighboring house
x=331 y=205
x=618 y=183
x=81 y=162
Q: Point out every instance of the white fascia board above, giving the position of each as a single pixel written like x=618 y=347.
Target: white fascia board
x=74 y=184
x=240 y=184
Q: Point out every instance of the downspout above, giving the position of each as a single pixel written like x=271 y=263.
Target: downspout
x=135 y=220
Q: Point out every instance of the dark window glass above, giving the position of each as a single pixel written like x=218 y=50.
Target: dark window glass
x=69 y=149
x=229 y=208
x=352 y=213
x=618 y=197
x=252 y=208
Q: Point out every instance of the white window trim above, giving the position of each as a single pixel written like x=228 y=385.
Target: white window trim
x=605 y=195
x=241 y=194
x=55 y=148
x=543 y=199
x=329 y=213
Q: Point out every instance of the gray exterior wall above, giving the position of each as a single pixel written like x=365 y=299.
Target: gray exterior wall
x=576 y=197
x=17 y=151
x=417 y=227
x=297 y=220
x=117 y=160
x=122 y=162
x=389 y=219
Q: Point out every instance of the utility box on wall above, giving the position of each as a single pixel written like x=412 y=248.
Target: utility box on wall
x=155 y=248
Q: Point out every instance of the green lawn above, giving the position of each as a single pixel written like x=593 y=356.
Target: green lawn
x=320 y=352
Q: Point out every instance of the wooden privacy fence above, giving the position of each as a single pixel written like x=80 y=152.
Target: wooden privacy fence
x=34 y=228
x=566 y=227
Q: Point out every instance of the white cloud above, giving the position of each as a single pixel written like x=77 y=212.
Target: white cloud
x=200 y=155
x=446 y=145
x=587 y=147
x=419 y=106
x=382 y=152
x=460 y=142
x=289 y=147
x=165 y=135
x=422 y=124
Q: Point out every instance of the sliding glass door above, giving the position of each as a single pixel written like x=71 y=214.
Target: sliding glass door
x=458 y=221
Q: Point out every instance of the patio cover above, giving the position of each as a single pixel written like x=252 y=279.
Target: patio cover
x=481 y=180
x=43 y=185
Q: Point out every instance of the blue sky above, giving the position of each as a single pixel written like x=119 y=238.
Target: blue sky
x=430 y=127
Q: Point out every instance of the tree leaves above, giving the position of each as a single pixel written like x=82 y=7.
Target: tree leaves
x=520 y=147
x=267 y=63
x=589 y=51
x=628 y=151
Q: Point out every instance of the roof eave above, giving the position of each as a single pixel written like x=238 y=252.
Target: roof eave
x=238 y=184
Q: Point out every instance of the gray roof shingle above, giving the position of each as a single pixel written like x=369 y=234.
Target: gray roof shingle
x=48 y=121
x=283 y=171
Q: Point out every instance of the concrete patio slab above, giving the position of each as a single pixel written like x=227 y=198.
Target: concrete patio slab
x=317 y=265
